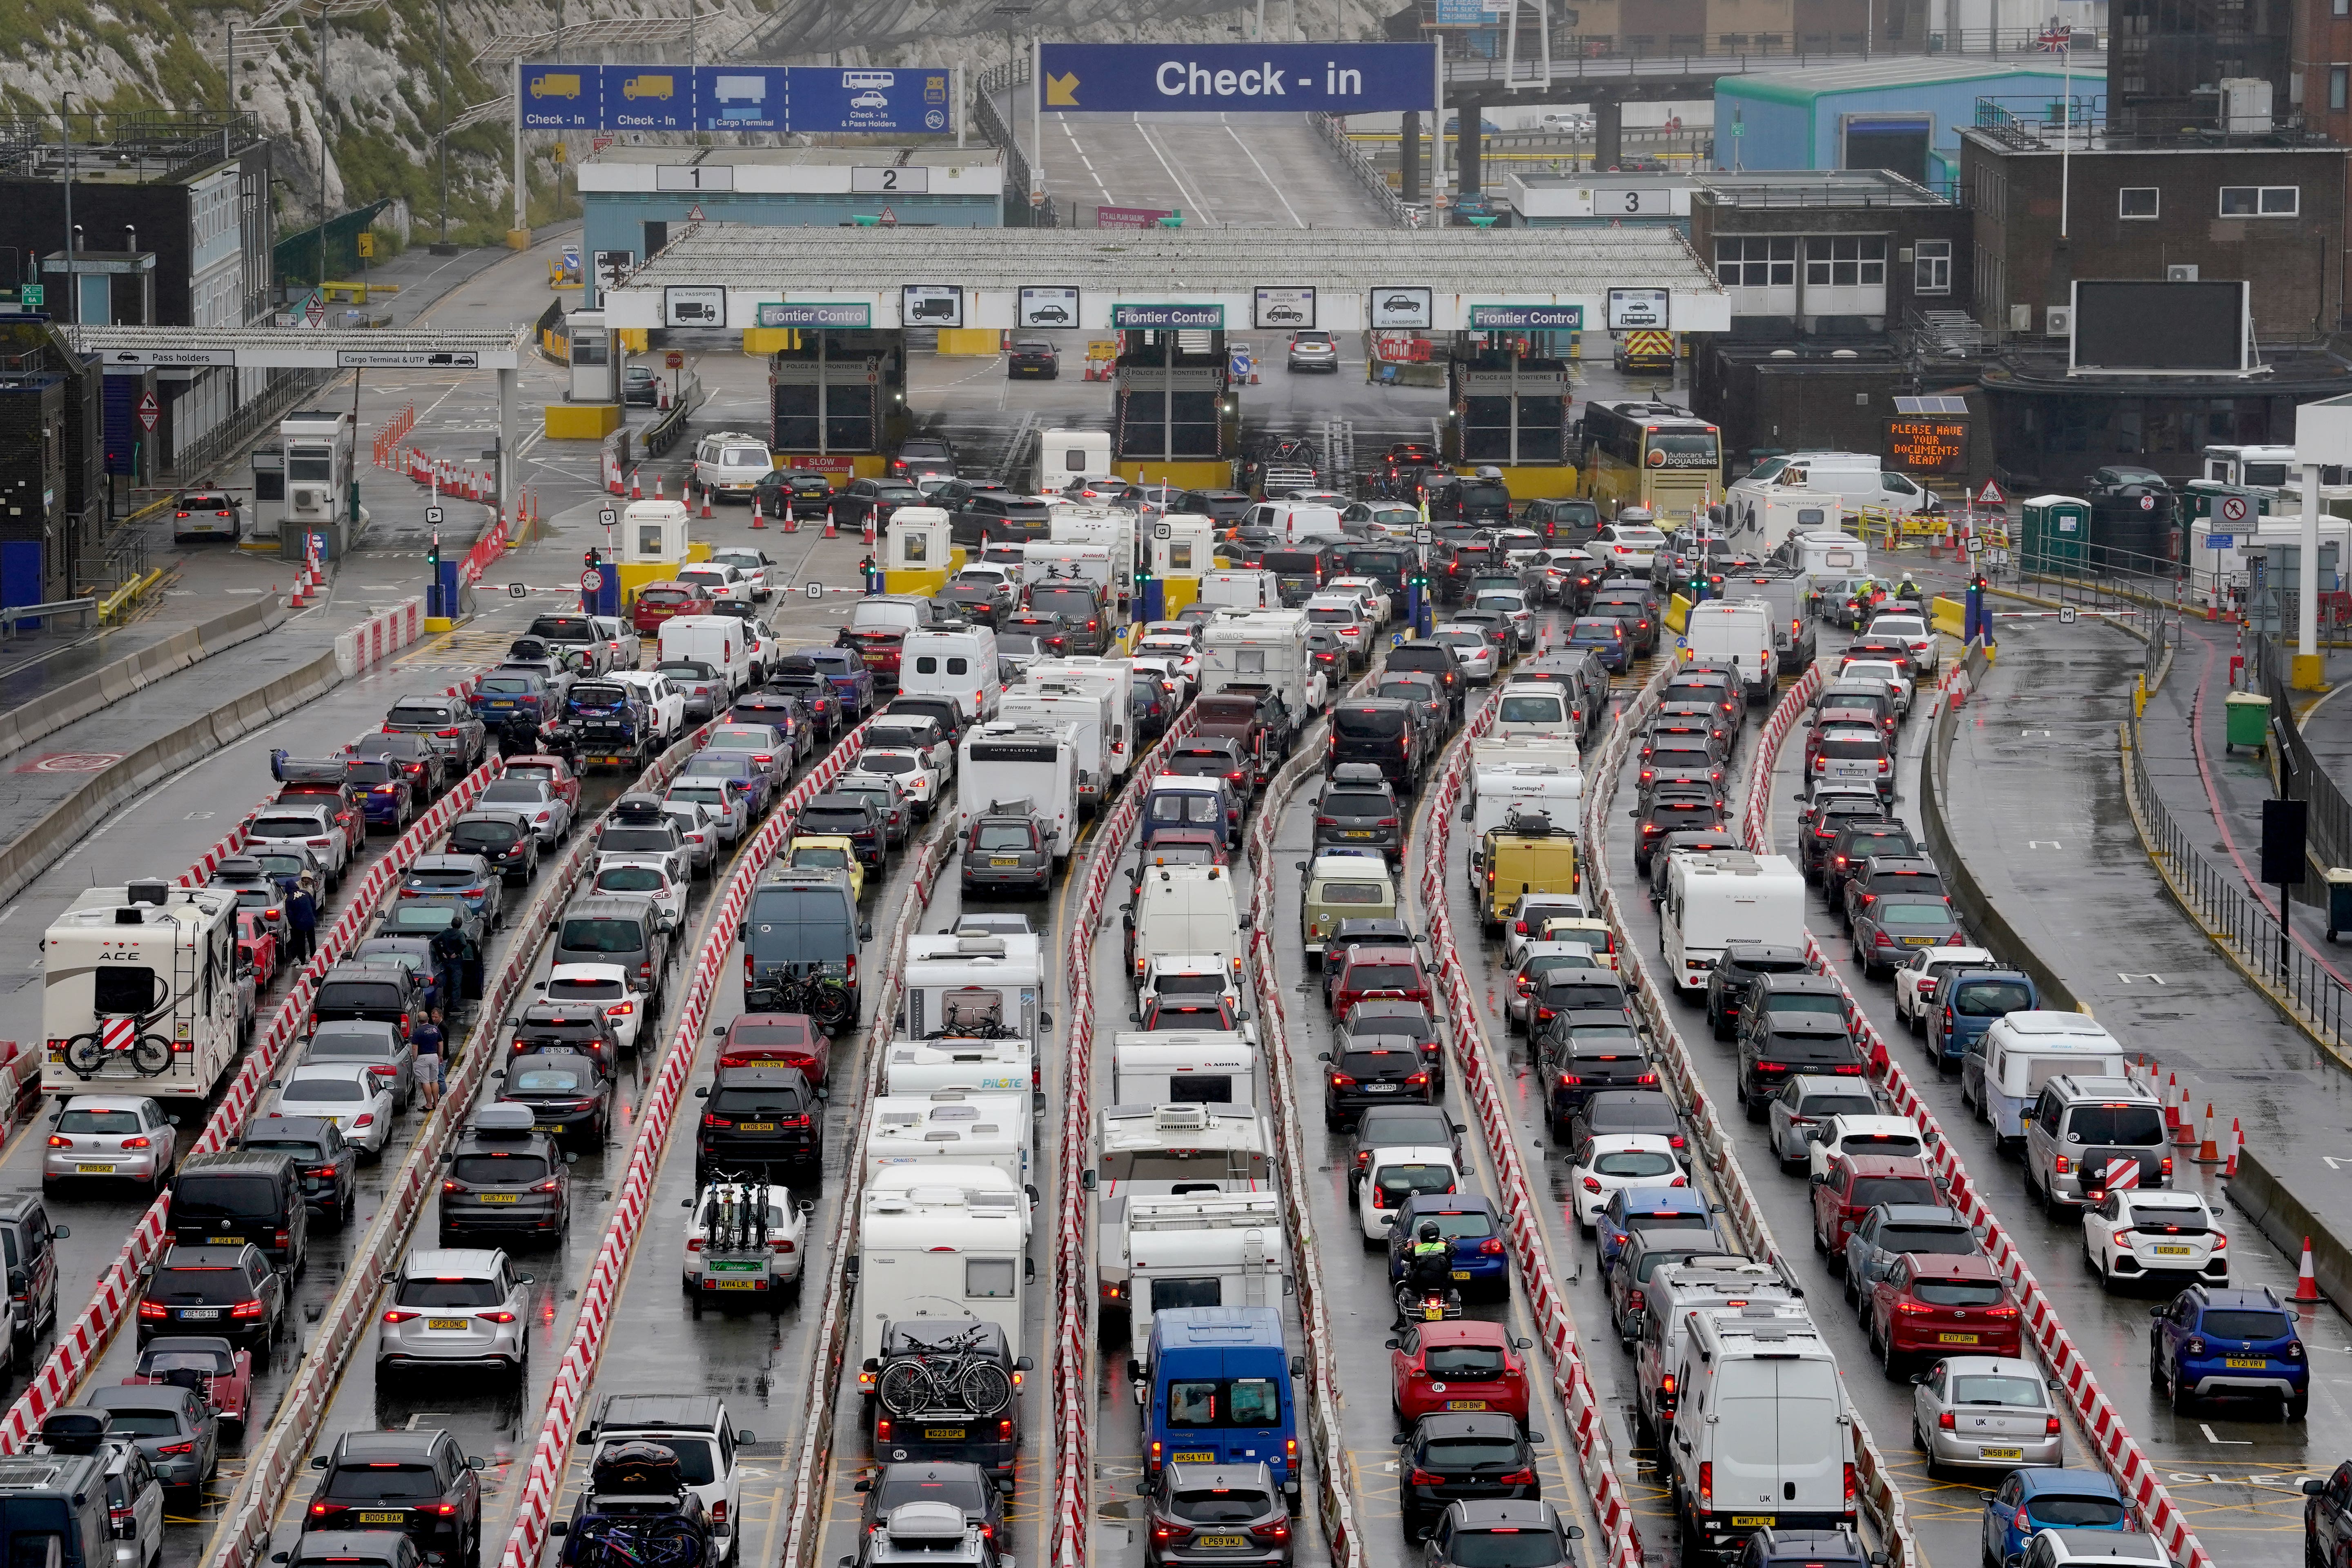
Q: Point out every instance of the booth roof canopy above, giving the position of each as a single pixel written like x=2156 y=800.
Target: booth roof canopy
x=804 y=262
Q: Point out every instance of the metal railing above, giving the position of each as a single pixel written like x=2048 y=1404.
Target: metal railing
x=12 y=618
x=2220 y=900
x=2327 y=828
x=1729 y=54
x=1041 y=213
x=1368 y=174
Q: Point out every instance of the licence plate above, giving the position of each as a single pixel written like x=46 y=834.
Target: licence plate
x=1198 y=1458
x=225 y=1241
x=945 y=1433
x=1918 y=940
x=448 y=1322
x=206 y=1314
x=1355 y=833
x=95 y=1170
x=1465 y=1405
x=2252 y=1363
x=1005 y=860
x=755 y=1127
x=500 y=1198
x=2000 y=1453
x=2169 y=1251
x=1462 y=1274
x=735 y=1284
x=1956 y=1339
x=1753 y=1521
x=384 y=1518
x=1380 y=1089
x=1231 y=1542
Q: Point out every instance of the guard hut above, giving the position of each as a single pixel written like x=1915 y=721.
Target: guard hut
x=917 y=556
x=592 y=407
x=1180 y=551
x=320 y=493
x=655 y=542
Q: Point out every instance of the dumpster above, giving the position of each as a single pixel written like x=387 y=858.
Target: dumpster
x=2339 y=899
x=2248 y=721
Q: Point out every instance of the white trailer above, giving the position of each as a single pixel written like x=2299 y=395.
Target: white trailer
x=1047 y=561
x=139 y=992
x=1265 y=648
x=1241 y=590
x=914 y=1068
x=1111 y=527
x=953 y=1126
x=1500 y=789
x=1223 y=1249
x=1080 y=711
x=1064 y=457
x=1031 y=766
x=941 y=1242
x=1757 y=520
x=1182 y=1068
x=973 y=985
x=1112 y=680
x=1154 y=1151
x=1722 y=896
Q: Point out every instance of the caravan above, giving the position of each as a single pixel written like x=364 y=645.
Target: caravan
x=2004 y=1072
x=1203 y=1249
x=139 y=991
x=1031 y=766
x=943 y=1241
x=915 y=1068
x=950 y=1126
x=1112 y=681
x=1726 y=896
x=1157 y=1149
x=1183 y=1068
x=1082 y=714
x=1066 y=456
x=973 y=985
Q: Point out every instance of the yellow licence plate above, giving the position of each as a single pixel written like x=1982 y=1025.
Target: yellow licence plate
x=1005 y=860
x=734 y=1284
x=1231 y=1542
x=2252 y=1363
x=944 y=1434
x=1200 y=1458
x=2169 y=1251
x=2000 y=1453
x=755 y=1127
x=224 y=1240
x=500 y=1198
x=1752 y=1521
x=384 y=1518
x=1956 y=1339
x=448 y=1322
x=1462 y=1274
x=95 y=1170
x=1465 y=1405
x=1918 y=940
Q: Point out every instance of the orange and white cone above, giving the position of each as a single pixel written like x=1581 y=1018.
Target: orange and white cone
x=2172 y=1102
x=2237 y=1142
x=757 y=520
x=2306 y=1283
x=869 y=529
x=636 y=484
x=2207 y=1152
x=706 y=502
x=791 y=520
x=830 y=531
x=658 y=489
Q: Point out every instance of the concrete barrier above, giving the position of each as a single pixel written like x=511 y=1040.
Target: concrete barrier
x=2264 y=1198
x=78 y=698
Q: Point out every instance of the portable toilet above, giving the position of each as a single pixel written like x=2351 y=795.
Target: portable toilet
x=2057 y=534
x=654 y=544
x=1181 y=548
x=917 y=554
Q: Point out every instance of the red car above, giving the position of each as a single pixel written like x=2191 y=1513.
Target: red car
x=1437 y=1368
x=1393 y=971
x=1853 y=1185
x=1187 y=846
x=1932 y=1305
x=657 y=602
x=221 y=1376
x=786 y=1039
x=553 y=771
x=257 y=940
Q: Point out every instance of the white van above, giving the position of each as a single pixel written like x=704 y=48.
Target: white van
x=1741 y=631
x=1499 y=790
x=1761 y=1430
x=2024 y=1050
x=931 y=1245
x=1724 y=896
x=1182 y=909
x=959 y=664
x=973 y=984
x=1297 y=522
x=918 y=1068
x=1857 y=478
x=719 y=641
x=1537 y=708
x=950 y=1126
x=1241 y=590
x=1678 y=1290
x=1182 y=1068
x=1203 y=1249
x=728 y=464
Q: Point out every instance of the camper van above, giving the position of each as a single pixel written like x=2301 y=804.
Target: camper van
x=2005 y=1071
x=940 y=1240
x=1183 y=1068
x=973 y=984
x=1500 y=790
x=950 y=1126
x=1719 y=897
x=1064 y=457
x=1756 y=521
x=1343 y=887
x=1203 y=1249
x=1156 y=1150
x=137 y=991
x=1012 y=761
x=915 y=1068
x=1083 y=715
x=1182 y=909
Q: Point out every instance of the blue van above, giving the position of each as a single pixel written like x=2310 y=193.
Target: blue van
x=1217 y=1387
x=1482 y=1258
x=1966 y=1005
x=1174 y=801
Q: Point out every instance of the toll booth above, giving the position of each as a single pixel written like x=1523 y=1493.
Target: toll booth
x=1510 y=406
x=1180 y=552
x=269 y=492
x=917 y=554
x=655 y=540
x=838 y=395
x=1172 y=420
x=321 y=492
x=2057 y=534
x=592 y=406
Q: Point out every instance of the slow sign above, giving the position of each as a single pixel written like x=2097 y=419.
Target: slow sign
x=1928 y=445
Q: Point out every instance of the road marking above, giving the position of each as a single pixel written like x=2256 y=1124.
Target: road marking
x=2234 y=1442
x=2152 y=979
x=2042 y=844
x=1262 y=175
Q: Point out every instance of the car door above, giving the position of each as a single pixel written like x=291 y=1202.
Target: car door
x=1998 y=1509
x=2333 y=1516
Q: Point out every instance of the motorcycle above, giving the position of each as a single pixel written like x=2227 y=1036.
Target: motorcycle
x=1427 y=1303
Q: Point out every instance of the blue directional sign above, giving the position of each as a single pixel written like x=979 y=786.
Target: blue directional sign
x=1216 y=79
x=888 y=100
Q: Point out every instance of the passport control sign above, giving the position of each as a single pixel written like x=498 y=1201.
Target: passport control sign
x=1223 y=79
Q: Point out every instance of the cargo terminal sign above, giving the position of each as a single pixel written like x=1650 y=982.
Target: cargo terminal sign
x=897 y=100
x=1219 y=78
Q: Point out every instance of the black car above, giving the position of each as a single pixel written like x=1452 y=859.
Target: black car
x=1561 y=522
x=918 y=455
x=1364 y=931
x=758 y=1117
x=1838 y=1548
x=640 y=385
x=852 y=816
x=231 y=1291
x=1221 y=508
x=795 y=492
x=1424 y=693
x=1481 y=1534
x=1434 y=658
x=1384 y=733
x=1381 y=1070
x=1357 y=810
x=1403 y=1019
x=1048 y=634
x=1567 y=991
x=1007 y=853
x=1408 y=1125
x=1032 y=356
x=1728 y=982
x=873 y=500
x=815 y=690
x=506 y=1177
x=1080 y=609
x=420 y=1484
x=1151 y=705
x=505 y=838
x=979 y=596
x=1774 y=1046
x=1685 y=808
x=1857 y=844
x=1628 y=1110
x=1583 y=1052
x=1830 y=813
x=1640 y=618
x=1463 y=1456
x=565 y=1028
x=427 y=768
x=960 y=1484
x=329 y=1164
x=982 y=512
x=785 y=711
x=568 y=1095
x=1482 y=497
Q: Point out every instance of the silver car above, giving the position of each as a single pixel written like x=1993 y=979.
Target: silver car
x=1472 y=648
x=391 y=1059
x=455 y=1307
x=535 y=799
x=111 y=1137
x=731 y=809
x=1985 y=1413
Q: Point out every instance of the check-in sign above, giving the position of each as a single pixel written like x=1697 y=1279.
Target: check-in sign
x=1526 y=318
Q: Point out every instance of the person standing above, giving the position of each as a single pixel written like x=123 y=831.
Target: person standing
x=302 y=917
x=427 y=1040
x=448 y=950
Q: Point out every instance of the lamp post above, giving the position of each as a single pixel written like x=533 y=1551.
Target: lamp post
x=65 y=124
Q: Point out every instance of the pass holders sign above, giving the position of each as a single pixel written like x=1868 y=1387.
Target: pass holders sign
x=1217 y=79
x=1629 y=308
x=143 y=359
x=1526 y=318
x=1403 y=307
x=1283 y=307
x=930 y=305
x=844 y=313
x=1048 y=306
x=562 y=96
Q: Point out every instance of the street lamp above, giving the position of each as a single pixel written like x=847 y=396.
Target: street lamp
x=65 y=124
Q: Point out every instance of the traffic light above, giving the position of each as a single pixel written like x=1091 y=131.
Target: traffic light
x=1977 y=582
x=593 y=558
x=433 y=559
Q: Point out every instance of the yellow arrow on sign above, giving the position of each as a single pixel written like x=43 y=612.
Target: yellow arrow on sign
x=1062 y=91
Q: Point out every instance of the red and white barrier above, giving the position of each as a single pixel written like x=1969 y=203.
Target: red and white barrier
x=601 y=1294
x=197 y=875
x=1587 y=1415
x=380 y=636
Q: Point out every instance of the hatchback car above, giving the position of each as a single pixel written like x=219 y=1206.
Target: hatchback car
x=1898 y=922
x=1934 y=1304
x=1455 y=1367
x=2035 y=1500
x=208 y=1364
x=1216 y=1514
x=1653 y=1209
x=175 y=1427
x=2215 y=1343
x=455 y=1307
x=1804 y=1106
x=417 y=1482
x=111 y=1137
x=1472 y=1231
x=569 y=1094
x=329 y=1163
x=505 y=1175
x=231 y=1291
x=387 y=1053
x=1985 y=1413
x=1475 y=1456
x=756 y=1118
x=2146 y=1233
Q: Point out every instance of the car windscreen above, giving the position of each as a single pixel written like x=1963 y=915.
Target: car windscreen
x=2137 y=1126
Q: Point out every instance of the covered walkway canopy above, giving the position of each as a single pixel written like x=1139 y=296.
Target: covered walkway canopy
x=1451 y=280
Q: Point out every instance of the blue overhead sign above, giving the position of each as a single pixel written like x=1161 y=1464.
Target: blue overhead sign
x=1294 y=79
x=1167 y=317
x=891 y=101
x=1526 y=318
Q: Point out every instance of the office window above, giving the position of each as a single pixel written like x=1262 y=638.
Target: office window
x=1931 y=267
x=2339 y=8
x=2136 y=201
x=1758 y=261
x=2339 y=82
x=1845 y=261
x=2261 y=201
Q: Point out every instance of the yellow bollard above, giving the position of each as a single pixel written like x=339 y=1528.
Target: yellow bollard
x=2140 y=696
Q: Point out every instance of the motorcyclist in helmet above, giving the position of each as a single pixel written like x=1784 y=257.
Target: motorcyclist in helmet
x=1429 y=1266
x=519 y=736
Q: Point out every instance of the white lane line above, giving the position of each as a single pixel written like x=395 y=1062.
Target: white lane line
x=2233 y=1442
x=1261 y=172
x=1191 y=197
x=1089 y=163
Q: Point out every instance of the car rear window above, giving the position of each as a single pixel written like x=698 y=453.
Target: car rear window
x=1381 y=977
x=1635 y=1163
x=383 y=1483
x=587 y=934
x=1959 y=1292
x=2135 y=1125
x=336 y=996
x=324 y=1091
x=1379 y=1063
x=1220 y=1505
x=780 y=1099
x=498 y=1169
x=822 y=820
x=221 y=1196
x=427 y=714
x=449 y=1293
x=1568 y=994
x=1991 y=998
x=1462 y=1360
x=1869 y=1191
x=1849 y=748
x=199 y=1286
x=1913 y=911
x=99 y=1121
x=2234 y=1323
x=1357 y=803
x=1460 y=1225
x=484 y=834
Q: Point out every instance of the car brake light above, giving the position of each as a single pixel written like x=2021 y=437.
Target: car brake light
x=151 y=1310
x=364 y=1118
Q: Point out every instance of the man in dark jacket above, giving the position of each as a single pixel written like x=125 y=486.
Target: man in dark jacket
x=302 y=917
x=448 y=952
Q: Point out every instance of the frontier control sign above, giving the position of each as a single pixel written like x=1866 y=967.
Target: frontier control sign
x=1216 y=79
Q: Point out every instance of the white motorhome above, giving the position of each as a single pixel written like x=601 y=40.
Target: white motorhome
x=973 y=984
x=1265 y=648
x=717 y=641
x=1241 y=590
x=140 y=976
x=1722 y=896
x=940 y=1241
x=1111 y=527
x=1739 y=630
x=1498 y=790
x=1756 y=521
x=918 y=1068
x=1182 y=1068
x=1112 y=680
x=1082 y=712
x=1220 y=1249
x=1821 y=555
x=1064 y=457
x=958 y=664
x=1189 y=909
x=1152 y=1151
x=1012 y=761
x=2025 y=1050
x=950 y=1126
x=1761 y=1427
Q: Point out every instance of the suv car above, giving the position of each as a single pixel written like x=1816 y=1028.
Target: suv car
x=417 y=1483
x=1007 y=853
x=455 y=1307
x=1357 y=809
x=449 y=722
x=507 y=839
x=31 y=1243
x=504 y=1175
x=1467 y=1535
x=757 y=1118
x=231 y=1291
x=694 y=1427
x=1728 y=983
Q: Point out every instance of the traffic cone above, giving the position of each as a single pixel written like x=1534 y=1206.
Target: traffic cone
x=2185 y=1133
x=706 y=502
x=2237 y=1142
x=637 y=489
x=791 y=520
x=830 y=531
x=757 y=520
x=2207 y=1153
x=2306 y=1283
x=2172 y=1103
x=613 y=484
x=869 y=530
x=658 y=489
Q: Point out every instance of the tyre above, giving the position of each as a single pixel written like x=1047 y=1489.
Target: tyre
x=2182 y=1401
x=2297 y=1406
